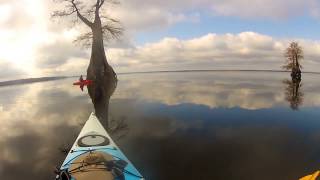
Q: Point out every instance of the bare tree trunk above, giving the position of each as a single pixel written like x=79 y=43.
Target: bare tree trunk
x=296 y=71
x=99 y=71
x=103 y=76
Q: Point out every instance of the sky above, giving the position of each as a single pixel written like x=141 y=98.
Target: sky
x=161 y=35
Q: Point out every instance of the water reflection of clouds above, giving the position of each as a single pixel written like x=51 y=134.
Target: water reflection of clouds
x=148 y=118
x=241 y=142
x=233 y=122
x=210 y=89
x=36 y=119
x=246 y=90
x=10 y=95
x=234 y=118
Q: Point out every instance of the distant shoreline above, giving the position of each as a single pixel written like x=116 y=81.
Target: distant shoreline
x=211 y=70
x=42 y=79
x=29 y=80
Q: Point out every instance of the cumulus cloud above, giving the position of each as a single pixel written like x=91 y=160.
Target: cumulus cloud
x=247 y=50
x=57 y=54
x=15 y=15
x=9 y=70
x=62 y=57
x=145 y=15
x=23 y=29
x=29 y=38
x=264 y=8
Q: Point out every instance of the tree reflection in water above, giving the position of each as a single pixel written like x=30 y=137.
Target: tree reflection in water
x=293 y=93
x=116 y=127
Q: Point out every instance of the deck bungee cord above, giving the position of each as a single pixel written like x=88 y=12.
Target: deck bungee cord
x=116 y=166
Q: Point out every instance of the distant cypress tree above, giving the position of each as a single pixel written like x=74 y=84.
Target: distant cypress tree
x=294 y=54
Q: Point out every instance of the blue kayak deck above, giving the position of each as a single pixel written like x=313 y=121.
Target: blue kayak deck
x=93 y=125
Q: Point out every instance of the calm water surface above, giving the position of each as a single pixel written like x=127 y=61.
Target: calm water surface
x=196 y=125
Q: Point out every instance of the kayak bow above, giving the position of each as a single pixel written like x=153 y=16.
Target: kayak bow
x=94 y=156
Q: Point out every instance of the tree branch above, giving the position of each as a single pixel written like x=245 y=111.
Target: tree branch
x=62 y=13
x=111 y=28
x=97 y=5
x=83 y=19
x=101 y=3
x=110 y=31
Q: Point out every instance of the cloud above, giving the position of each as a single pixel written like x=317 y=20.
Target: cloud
x=57 y=54
x=23 y=29
x=9 y=70
x=39 y=46
x=15 y=15
x=141 y=15
x=62 y=57
x=145 y=15
x=246 y=50
x=263 y=8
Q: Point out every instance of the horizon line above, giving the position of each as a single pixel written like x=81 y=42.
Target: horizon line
x=217 y=70
x=150 y=72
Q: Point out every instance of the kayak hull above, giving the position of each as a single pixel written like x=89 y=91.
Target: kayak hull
x=91 y=135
